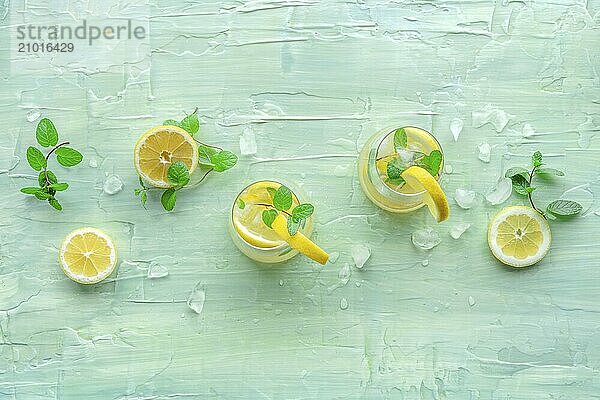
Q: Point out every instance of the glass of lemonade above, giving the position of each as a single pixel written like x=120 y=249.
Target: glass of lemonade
x=394 y=196
x=249 y=232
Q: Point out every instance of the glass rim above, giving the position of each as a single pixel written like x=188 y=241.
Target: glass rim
x=380 y=142
x=283 y=245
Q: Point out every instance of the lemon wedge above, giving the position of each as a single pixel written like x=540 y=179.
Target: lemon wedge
x=160 y=147
x=519 y=236
x=299 y=242
x=434 y=197
x=87 y=255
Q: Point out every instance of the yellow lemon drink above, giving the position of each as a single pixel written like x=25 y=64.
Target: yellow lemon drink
x=397 y=195
x=271 y=243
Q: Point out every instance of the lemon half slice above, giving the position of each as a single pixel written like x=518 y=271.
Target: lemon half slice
x=519 y=236
x=158 y=148
x=87 y=255
x=299 y=242
x=435 y=199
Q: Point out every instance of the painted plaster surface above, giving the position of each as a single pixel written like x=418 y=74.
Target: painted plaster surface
x=311 y=81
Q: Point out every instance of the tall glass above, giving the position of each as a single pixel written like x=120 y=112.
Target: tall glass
x=250 y=234
x=372 y=168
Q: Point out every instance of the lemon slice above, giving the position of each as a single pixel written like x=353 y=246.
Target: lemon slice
x=519 y=236
x=435 y=199
x=299 y=242
x=248 y=221
x=158 y=148
x=87 y=255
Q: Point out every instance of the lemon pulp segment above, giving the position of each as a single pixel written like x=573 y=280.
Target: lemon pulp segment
x=519 y=236
x=160 y=147
x=87 y=255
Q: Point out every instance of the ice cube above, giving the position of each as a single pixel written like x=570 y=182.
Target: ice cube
x=458 y=229
x=156 y=270
x=93 y=163
x=248 y=142
x=501 y=192
x=527 y=130
x=333 y=257
x=492 y=115
x=464 y=198
x=32 y=115
x=471 y=301
x=485 y=152
x=360 y=254
x=344 y=274
x=344 y=303
x=112 y=185
x=196 y=298
x=426 y=238
x=456 y=126
x=407 y=156
x=448 y=169
x=340 y=171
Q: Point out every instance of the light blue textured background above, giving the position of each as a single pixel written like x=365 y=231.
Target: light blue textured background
x=311 y=80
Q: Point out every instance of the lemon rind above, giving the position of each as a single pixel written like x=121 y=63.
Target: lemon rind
x=79 y=278
x=511 y=260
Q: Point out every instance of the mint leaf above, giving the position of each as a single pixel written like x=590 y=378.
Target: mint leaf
x=516 y=171
x=549 y=171
x=68 y=157
x=144 y=197
x=241 y=204
x=42 y=178
x=35 y=158
x=178 y=174
x=272 y=192
x=530 y=189
x=564 y=208
x=268 y=216
x=394 y=169
x=59 y=186
x=170 y=122
x=432 y=162
x=223 y=160
x=400 y=139
x=536 y=159
x=293 y=226
x=302 y=211
x=206 y=153
x=190 y=124
x=30 y=190
x=137 y=191
x=282 y=200
x=520 y=184
x=41 y=195
x=46 y=134
x=168 y=199
x=54 y=203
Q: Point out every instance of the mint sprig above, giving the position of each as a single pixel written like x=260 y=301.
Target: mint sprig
x=46 y=136
x=281 y=203
x=522 y=181
x=210 y=158
x=431 y=162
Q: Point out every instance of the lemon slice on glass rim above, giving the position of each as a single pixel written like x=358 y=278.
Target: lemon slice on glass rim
x=160 y=147
x=435 y=199
x=519 y=236
x=87 y=255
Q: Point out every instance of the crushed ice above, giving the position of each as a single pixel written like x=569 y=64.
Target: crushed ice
x=464 y=198
x=360 y=254
x=426 y=238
